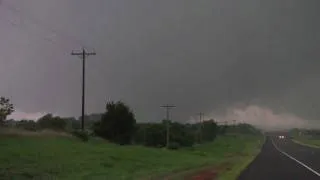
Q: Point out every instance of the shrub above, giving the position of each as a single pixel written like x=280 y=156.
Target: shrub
x=83 y=135
x=174 y=146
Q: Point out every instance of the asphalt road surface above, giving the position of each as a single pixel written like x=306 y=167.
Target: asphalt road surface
x=282 y=159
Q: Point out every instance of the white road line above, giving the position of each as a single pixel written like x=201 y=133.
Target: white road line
x=309 y=168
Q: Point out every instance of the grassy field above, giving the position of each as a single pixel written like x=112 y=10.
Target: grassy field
x=311 y=142
x=232 y=155
x=240 y=162
x=49 y=157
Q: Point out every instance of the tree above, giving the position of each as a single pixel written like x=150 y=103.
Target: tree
x=209 y=130
x=27 y=124
x=181 y=134
x=6 y=108
x=50 y=122
x=155 y=135
x=117 y=123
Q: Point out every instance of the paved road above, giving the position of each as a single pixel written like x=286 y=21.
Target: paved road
x=271 y=164
x=307 y=155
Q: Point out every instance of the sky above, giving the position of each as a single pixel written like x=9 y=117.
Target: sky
x=254 y=61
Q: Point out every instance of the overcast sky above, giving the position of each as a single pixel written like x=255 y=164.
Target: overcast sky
x=213 y=56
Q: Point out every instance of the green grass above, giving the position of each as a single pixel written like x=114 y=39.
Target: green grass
x=315 y=143
x=68 y=158
x=232 y=155
x=239 y=163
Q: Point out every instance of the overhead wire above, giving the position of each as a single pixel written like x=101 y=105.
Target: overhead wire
x=27 y=17
x=25 y=29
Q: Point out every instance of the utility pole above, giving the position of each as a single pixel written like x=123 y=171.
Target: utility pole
x=83 y=54
x=168 y=108
x=200 y=126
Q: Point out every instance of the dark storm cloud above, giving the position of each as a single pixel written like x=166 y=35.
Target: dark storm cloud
x=199 y=55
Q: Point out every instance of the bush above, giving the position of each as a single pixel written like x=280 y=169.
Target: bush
x=186 y=135
x=181 y=134
x=174 y=146
x=83 y=135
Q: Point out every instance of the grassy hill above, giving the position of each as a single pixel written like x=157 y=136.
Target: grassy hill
x=56 y=157
x=306 y=137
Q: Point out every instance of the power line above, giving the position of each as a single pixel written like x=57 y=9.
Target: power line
x=64 y=37
x=168 y=108
x=15 y=25
x=26 y=30
x=31 y=19
x=83 y=54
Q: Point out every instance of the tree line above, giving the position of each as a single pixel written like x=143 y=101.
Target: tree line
x=118 y=125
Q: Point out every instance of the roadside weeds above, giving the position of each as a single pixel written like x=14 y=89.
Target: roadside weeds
x=228 y=168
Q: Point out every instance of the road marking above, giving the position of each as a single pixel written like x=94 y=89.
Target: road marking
x=309 y=168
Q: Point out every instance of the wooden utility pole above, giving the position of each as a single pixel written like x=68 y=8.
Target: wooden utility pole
x=168 y=108
x=200 y=126
x=83 y=54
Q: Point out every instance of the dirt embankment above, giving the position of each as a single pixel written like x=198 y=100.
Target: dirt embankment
x=208 y=173
x=204 y=173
